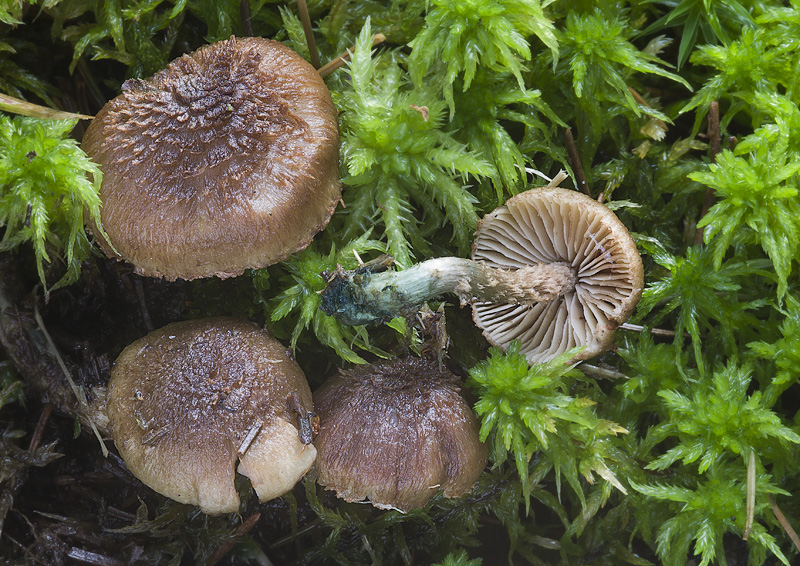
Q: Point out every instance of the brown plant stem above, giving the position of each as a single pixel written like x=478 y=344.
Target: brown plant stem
x=38 y=434
x=575 y=159
x=223 y=549
x=337 y=62
x=302 y=7
x=640 y=100
x=247 y=24
x=784 y=523
x=140 y=296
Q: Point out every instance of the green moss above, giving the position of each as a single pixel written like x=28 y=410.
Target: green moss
x=527 y=410
x=46 y=182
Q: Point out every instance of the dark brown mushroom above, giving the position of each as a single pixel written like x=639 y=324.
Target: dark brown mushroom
x=225 y=160
x=551 y=268
x=396 y=433
x=190 y=399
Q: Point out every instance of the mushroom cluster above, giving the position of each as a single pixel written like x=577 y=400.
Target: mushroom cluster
x=551 y=268
x=396 y=433
x=225 y=160
x=190 y=399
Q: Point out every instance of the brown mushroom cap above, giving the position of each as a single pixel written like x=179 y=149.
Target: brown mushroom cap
x=227 y=159
x=396 y=433
x=188 y=400
x=551 y=225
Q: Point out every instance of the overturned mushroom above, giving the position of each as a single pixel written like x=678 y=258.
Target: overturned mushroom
x=225 y=160
x=551 y=226
x=396 y=433
x=551 y=268
x=190 y=399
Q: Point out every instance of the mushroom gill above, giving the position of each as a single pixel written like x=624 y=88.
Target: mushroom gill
x=553 y=225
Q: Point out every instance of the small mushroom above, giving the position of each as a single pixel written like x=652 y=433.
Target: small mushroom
x=225 y=160
x=396 y=433
x=190 y=399
x=556 y=226
x=552 y=268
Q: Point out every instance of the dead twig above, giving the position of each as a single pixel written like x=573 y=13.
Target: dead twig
x=343 y=58
x=575 y=159
x=23 y=108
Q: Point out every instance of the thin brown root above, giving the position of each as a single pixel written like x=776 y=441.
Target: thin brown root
x=785 y=523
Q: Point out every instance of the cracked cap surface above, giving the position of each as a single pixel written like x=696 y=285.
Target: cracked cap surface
x=225 y=160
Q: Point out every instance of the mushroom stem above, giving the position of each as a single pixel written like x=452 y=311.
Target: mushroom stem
x=371 y=292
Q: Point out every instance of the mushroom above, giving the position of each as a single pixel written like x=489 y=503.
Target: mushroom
x=190 y=399
x=396 y=433
x=225 y=160
x=551 y=268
